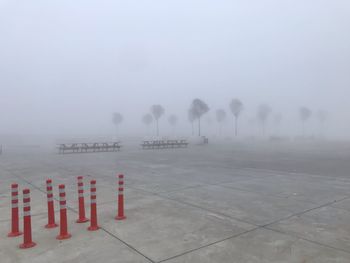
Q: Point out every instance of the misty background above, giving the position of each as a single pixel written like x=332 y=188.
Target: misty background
x=66 y=66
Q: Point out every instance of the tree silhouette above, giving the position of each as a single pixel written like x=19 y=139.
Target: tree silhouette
x=157 y=112
x=220 y=117
x=199 y=108
x=191 y=118
x=236 y=107
x=117 y=119
x=304 y=115
x=263 y=113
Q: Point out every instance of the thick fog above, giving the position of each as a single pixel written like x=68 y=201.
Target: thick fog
x=67 y=66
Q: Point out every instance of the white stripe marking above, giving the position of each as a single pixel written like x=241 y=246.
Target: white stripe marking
x=26 y=213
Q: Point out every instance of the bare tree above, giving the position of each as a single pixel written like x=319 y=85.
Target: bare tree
x=191 y=119
x=173 y=120
x=263 y=114
x=199 y=108
x=304 y=115
x=220 y=117
x=157 y=112
x=236 y=107
x=117 y=119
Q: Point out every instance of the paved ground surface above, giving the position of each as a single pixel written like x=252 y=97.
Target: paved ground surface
x=233 y=202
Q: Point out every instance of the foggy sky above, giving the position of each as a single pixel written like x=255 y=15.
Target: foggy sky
x=65 y=66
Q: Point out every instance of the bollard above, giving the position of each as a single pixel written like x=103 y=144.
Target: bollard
x=27 y=224
x=63 y=214
x=93 y=210
x=82 y=218
x=120 y=215
x=14 y=212
x=50 y=205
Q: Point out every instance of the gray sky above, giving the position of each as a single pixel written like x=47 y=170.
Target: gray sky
x=65 y=66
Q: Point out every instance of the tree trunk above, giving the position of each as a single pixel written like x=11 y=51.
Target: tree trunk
x=192 y=128
x=236 y=128
x=157 y=128
x=199 y=126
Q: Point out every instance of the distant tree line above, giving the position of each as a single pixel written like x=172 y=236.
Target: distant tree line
x=198 y=108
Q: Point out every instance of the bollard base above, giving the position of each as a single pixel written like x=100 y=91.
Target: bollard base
x=82 y=220
x=27 y=245
x=93 y=228
x=14 y=234
x=66 y=236
x=120 y=217
x=51 y=225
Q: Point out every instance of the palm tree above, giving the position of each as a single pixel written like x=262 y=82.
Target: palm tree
x=236 y=107
x=191 y=119
x=117 y=119
x=263 y=113
x=199 y=108
x=157 y=112
x=304 y=115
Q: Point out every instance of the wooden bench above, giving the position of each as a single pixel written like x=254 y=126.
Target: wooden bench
x=88 y=147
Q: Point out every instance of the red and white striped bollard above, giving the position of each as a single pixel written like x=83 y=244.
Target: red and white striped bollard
x=120 y=215
x=82 y=218
x=27 y=222
x=14 y=212
x=93 y=210
x=63 y=214
x=50 y=205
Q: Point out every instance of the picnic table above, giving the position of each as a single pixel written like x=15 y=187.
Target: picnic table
x=88 y=147
x=163 y=144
